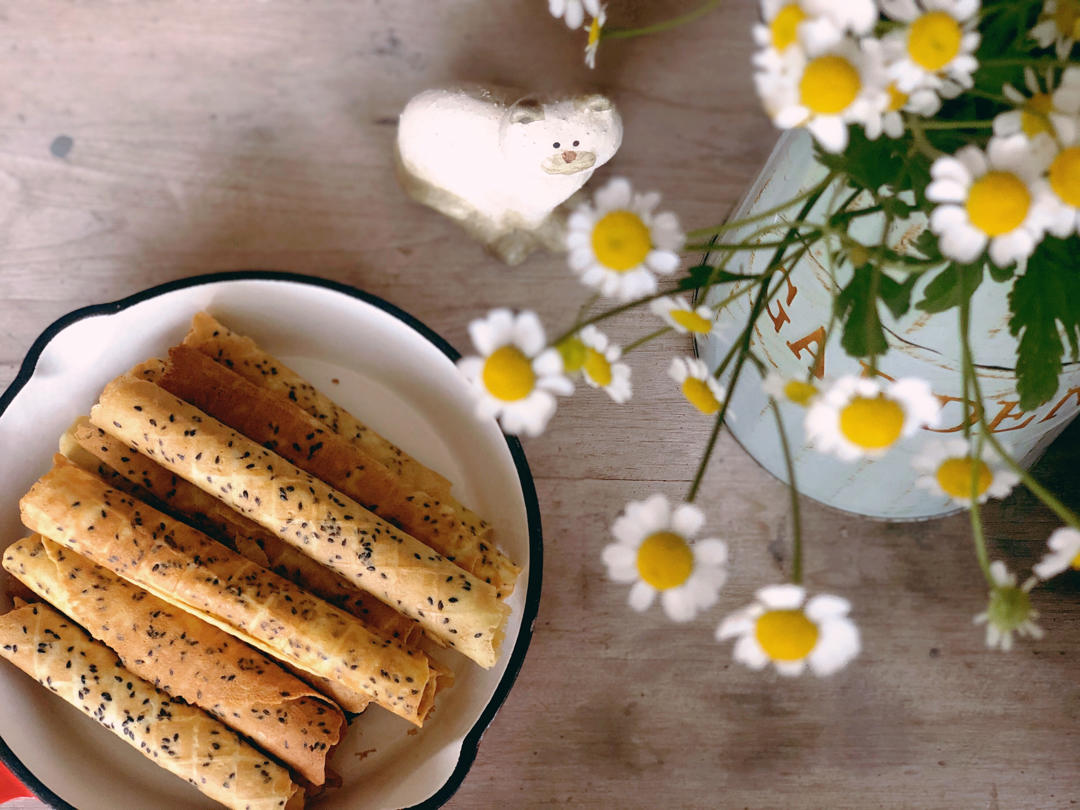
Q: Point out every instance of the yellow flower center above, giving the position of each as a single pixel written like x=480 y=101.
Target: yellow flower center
x=1065 y=176
x=786 y=635
x=698 y=394
x=872 y=422
x=934 y=40
x=1076 y=561
x=508 y=374
x=998 y=202
x=954 y=476
x=621 y=241
x=1033 y=118
x=572 y=351
x=897 y=98
x=597 y=367
x=594 y=33
x=799 y=392
x=829 y=84
x=691 y=321
x=1067 y=18
x=785 y=25
x=664 y=560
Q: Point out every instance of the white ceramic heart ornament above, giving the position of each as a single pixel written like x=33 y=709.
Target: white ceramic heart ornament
x=501 y=163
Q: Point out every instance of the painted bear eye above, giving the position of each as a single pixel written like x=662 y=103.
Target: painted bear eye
x=555 y=145
x=577 y=143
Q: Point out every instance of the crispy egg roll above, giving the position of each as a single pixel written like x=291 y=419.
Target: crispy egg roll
x=186 y=568
x=280 y=425
x=124 y=468
x=309 y=514
x=184 y=656
x=183 y=739
x=243 y=356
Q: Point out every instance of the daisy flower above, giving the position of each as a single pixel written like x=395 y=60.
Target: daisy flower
x=936 y=47
x=681 y=316
x=591 y=353
x=618 y=242
x=945 y=468
x=1058 y=25
x=825 y=91
x=1040 y=111
x=921 y=102
x=592 y=44
x=1064 y=180
x=1064 y=553
x=862 y=417
x=996 y=197
x=779 y=628
x=656 y=551
x=515 y=378
x=1009 y=610
x=798 y=391
x=573 y=11
x=700 y=388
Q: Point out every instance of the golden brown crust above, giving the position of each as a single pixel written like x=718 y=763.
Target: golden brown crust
x=125 y=468
x=186 y=568
x=180 y=738
x=184 y=656
x=307 y=513
x=243 y=356
x=280 y=425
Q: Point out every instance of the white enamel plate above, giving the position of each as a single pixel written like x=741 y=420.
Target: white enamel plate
x=397 y=376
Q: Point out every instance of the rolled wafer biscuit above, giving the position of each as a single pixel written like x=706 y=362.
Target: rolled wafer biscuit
x=280 y=425
x=184 y=656
x=183 y=739
x=186 y=568
x=307 y=513
x=243 y=356
x=119 y=465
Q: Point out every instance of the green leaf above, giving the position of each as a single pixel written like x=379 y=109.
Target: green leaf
x=703 y=274
x=1001 y=274
x=944 y=291
x=1043 y=301
x=896 y=295
x=856 y=306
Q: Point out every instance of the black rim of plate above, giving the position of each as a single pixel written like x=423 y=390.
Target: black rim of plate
x=471 y=742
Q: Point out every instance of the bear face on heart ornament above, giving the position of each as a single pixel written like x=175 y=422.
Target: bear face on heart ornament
x=501 y=162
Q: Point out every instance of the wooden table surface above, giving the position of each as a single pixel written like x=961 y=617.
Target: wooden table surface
x=147 y=141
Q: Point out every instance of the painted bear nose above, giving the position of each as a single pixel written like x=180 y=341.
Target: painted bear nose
x=569 y=157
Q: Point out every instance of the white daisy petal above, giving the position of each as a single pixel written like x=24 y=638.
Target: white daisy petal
x=687 y=520
x=641 y=596
x=748 y=652
x=781 y=597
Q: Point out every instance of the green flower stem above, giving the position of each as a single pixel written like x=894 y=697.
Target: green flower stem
x=735 y=224
x=1036 y=489
x=641 y=341
x=929 y=125
x=968 y=372
x=793 y=489
x=666 y=25
x=586 y=306
x=762 y=300
x=844 y=217
x=737 y=246
x=608 y=313
x=917 y=126
x=1033 y=61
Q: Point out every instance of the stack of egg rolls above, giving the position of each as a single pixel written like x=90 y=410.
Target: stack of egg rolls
x=183 y=739
x=327 y=525
x=186 y=568
x=186 y=657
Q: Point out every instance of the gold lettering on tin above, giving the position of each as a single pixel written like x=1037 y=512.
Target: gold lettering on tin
x=816 y=337
x=1006 y=413
x=1072 y=392
x=781 y=317
x=972 y=408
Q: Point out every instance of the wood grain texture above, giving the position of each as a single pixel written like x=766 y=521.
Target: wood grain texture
x=242 y=134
